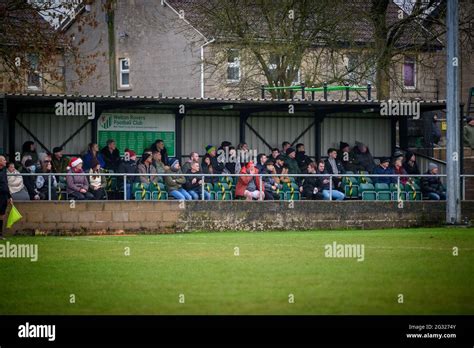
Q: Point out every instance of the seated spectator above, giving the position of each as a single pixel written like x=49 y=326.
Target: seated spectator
x=290 y=161
x=232 y=163
x=384 y=168
x=29 y=149
x=284 y=146
x=111 y=156
x=334 y=166
x=42 y=182
x=208 y=169
x=410 y=165
x=193 y=184
x=159 y=146
x=193 y=157
x=271 y=182
x=311 y=184
x=261 y=160
x=129 y=166
x=158 y=163
x=15 y=184
x=324 y=184
x=58 y=161
x=146 y=167
x=97 y=183
x=175 y=182
x=218 y=167
x=279 y=163
x=431 y=187
x=30 y=180
x=77 y=185
x=399 y=170
x=93 y=153
x=249 y=186
x=363 y=160
x=23 y=162
x=283 y=178
x=274 y=155
x=301 y=157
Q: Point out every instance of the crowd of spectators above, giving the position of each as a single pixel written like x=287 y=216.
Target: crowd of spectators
x=225 y=159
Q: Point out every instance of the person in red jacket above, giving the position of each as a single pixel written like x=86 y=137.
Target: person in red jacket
x=249 y=186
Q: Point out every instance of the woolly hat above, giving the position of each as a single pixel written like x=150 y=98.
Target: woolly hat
x=343 y=145
x=75 y=161
x=290 y=150
x=432 y=166
x=173 y=162
x=210 y=148
x=130 y=153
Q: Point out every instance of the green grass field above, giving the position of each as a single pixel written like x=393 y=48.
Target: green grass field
x=417 y=263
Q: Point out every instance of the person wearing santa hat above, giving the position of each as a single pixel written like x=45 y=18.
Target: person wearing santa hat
x=77 y=185
x=248 y=187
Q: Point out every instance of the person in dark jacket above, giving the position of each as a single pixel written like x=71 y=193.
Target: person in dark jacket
x=334 y=166
x=363 y=159
x=129 y=166
x=218 y=167
x=271 y=183
x=29 y=149
x=384 y=168
x=59 y=162
x=193 y=184
x=261 y=160
x=208 y=169
x=410 y=165
x=92 y=153
x=311 y=184
x=291 y=162
x=30 y=180
x=111 y=156
x=5 y=196
x=159 y=145
x=431 y=187
x=324 y=184
x=301 y=157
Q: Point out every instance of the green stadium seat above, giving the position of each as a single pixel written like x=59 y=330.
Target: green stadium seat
x=158 y=191
x=351 y=187
x=413 y=192
x=222 y=191
x=383 y=192
x=367 y=192
x=141 y=191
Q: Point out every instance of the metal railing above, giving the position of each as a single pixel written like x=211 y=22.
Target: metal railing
x=260 y=177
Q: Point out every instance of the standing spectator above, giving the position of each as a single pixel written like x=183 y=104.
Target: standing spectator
x=30 y=180
x=29 y=149
x=232 y=163
x=77 y=185
x=58 y=161
x=284 y=146
x=93 y=153
x=399 y=170
x=311 y=184
x=301 y=157
x=431 y=187
x=146 y=167
x=468 y=132
x=334 y=166
x=290 y=161
x=363 y=159
x=42 y=182
x=346 y=157
x=129 y=166
x=324 y=184
x=218 y=167
x=274 y=155
x=410 y=165
x=193 y=184
x=384 y=168
x=111 y=156
x=5 y=196
x=435 y=131
x=97 y=183
x=159 y=145
x=15 y=184
x=261 y=160
x=248 y=186
x=175 y=182
x=193 y=157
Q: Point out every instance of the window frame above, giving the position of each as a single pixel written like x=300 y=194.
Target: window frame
x=234 y=64
x=31 y=72
x=124 y=71
x=415 y=73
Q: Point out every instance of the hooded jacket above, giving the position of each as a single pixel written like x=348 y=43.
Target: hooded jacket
x=174 y=182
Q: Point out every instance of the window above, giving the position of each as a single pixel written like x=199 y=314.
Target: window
x=233 y=65
x=34 y=79
x=124 y=72
x=273 y=64
x=361 y=69
x=409 y=73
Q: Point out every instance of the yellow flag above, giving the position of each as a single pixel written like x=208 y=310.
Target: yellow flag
x=13 y=217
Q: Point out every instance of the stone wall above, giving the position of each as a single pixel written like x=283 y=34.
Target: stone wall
x=173 y=216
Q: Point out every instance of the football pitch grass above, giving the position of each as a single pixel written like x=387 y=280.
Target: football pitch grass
x=243 y=273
